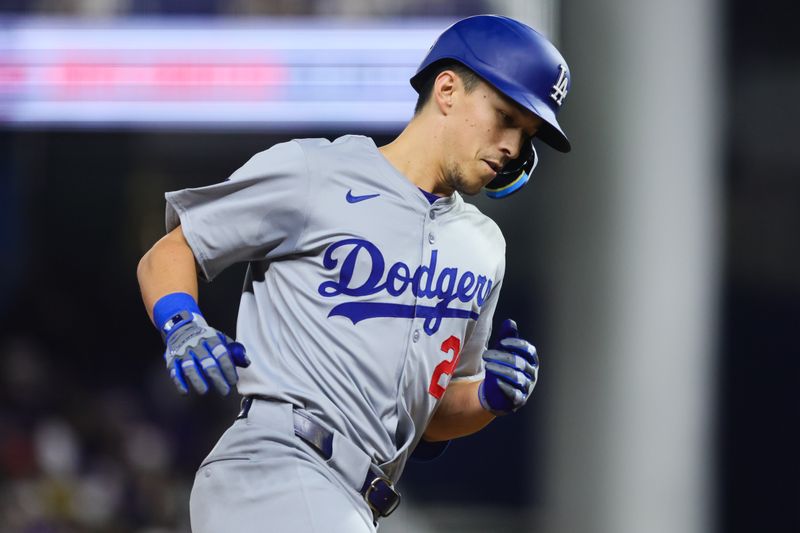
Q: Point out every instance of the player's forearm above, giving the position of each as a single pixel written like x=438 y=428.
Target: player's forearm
x=459 y=414
x=169 y=266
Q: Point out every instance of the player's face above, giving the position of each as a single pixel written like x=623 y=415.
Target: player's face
x=487 y=131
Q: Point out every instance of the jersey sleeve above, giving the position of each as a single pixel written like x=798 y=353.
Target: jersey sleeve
x=259 y=212
x=470 y=364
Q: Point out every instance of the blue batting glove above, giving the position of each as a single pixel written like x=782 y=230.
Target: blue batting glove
x=196 y=353
x=512 y=367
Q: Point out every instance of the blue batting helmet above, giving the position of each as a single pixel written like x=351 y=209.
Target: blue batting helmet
x=520 y=63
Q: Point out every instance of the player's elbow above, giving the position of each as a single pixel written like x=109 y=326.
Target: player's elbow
x=158 y=254
x=171 y=247
x=143 y=267
x=440 y=428
x=436 y=434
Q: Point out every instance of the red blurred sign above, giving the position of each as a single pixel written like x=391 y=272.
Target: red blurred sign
x=267 y=73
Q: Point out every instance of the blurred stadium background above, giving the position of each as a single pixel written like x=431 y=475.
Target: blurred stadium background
x=656 y=267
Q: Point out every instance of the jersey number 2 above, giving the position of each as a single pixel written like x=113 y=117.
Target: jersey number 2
x=452 y=344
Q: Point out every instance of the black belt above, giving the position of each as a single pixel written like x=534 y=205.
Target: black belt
x=378 y=490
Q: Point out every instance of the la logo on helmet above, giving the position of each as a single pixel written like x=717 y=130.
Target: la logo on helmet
x=560 y=86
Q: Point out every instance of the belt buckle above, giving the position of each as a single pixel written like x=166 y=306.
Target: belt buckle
x=246 y=404
x=379 y=486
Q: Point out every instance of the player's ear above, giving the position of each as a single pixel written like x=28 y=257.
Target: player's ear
x=444 y=88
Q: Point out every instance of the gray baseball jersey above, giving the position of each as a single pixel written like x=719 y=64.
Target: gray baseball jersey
x=362 y=299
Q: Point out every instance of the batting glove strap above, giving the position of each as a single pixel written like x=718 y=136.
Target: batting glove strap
x=488 y=389
x=167 y=309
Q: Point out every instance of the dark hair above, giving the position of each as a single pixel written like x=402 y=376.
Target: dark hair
x=468 y=78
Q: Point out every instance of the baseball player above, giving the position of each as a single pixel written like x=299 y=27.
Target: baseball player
x=371 y=285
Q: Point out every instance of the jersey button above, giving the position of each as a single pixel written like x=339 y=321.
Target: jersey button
x=415 y=336
x=433 y=214
x=431 y=238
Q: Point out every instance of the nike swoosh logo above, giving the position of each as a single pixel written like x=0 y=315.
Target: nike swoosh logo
x=351 y=198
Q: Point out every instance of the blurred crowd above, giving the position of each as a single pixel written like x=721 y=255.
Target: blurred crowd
x=94 y=459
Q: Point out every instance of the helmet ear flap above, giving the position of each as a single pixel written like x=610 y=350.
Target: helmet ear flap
x=515 y=174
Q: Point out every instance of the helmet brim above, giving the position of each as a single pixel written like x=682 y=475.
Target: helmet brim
x=550 y=132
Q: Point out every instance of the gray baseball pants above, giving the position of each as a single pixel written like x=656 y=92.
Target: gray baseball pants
x=260 y=477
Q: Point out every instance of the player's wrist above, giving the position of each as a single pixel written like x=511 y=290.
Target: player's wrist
x=486 y=403
x=174 y=309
